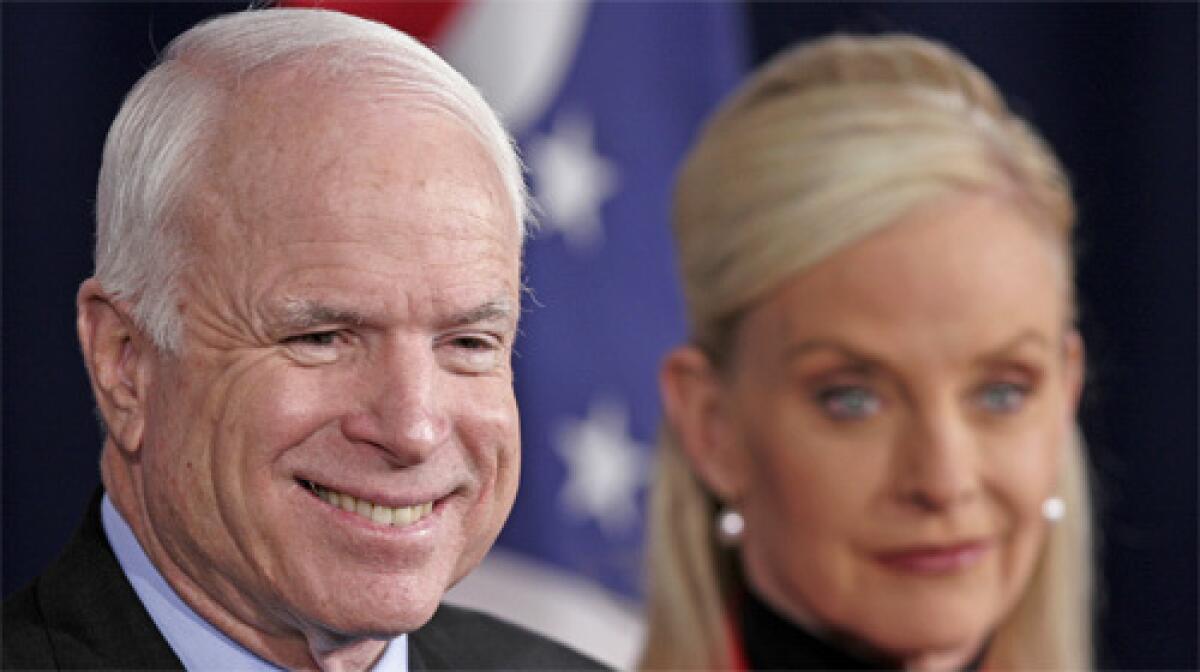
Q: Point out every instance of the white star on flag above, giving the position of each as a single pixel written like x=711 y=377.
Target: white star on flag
x=571 y=180
x=605 y=467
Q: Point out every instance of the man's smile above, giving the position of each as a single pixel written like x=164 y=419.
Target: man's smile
x=376 y=512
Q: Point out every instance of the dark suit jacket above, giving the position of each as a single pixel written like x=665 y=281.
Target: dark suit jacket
x=82 y=613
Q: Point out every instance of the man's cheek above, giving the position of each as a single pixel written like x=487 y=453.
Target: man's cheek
x=272 y=412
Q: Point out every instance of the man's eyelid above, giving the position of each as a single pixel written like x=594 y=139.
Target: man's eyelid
x=497 y=325
x=502 y=329
x=295 y=335
x=493 y=337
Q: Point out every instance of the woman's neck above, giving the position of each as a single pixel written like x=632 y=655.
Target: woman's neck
x=772 y=639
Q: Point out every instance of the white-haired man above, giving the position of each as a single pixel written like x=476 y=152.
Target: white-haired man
x=298 y=336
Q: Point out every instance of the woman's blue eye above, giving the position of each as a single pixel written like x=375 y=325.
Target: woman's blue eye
x=849 y=403
x=1003 y=397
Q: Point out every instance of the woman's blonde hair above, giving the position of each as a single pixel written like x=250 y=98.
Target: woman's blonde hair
x=827 y=143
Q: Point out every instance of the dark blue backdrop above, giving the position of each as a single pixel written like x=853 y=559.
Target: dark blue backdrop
x=1113 y=87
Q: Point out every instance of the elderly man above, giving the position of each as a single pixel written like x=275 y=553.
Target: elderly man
x=299 y=337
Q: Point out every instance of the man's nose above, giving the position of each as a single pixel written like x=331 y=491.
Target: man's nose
x=404 y=412
x=938 y=461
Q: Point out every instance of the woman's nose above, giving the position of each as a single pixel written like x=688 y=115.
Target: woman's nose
x=937 y=461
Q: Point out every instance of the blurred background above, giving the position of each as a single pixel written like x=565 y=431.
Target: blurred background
x=604 y=97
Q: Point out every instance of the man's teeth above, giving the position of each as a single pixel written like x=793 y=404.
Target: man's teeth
x=398 y=517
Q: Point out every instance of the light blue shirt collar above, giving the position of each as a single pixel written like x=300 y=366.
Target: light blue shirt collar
x=198 y=644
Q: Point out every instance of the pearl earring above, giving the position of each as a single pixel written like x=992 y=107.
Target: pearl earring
x=1053 y=509
x=730 y=525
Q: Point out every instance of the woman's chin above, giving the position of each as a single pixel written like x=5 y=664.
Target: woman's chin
x=940 y=661
x=929 y=644
x=936 y=651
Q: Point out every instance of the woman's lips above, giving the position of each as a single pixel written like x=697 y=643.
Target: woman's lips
x=935 y=559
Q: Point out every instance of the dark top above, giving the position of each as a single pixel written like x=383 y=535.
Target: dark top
x=82 y=613
x=772 y=642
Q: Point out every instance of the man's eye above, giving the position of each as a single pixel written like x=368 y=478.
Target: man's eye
x=474 y=343
x=318 y=338
x=473 y=353
x=1003 y=397
x=849 y=402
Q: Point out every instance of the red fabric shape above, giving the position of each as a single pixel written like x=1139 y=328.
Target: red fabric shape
x=737 y=650
x=423 y=19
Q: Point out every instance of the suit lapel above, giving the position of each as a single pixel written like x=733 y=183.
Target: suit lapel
x=94 y=618
x=425 y=649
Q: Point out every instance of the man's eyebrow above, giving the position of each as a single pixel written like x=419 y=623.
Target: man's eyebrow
x=306 y=313
x=492 y=311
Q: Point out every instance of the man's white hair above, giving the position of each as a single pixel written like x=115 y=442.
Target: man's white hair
x=168 y=120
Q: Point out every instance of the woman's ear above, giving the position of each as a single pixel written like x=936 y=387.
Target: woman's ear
x=117 y=357
x=698 y=411
x=1074 y=370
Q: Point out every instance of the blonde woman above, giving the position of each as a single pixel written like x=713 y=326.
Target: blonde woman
x=871 y=458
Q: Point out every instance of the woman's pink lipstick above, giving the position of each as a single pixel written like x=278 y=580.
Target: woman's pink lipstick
x=935 y=559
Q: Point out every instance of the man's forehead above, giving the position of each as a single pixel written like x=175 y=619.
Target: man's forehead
x=294 y=110
x=319 y=159
x=301 y=106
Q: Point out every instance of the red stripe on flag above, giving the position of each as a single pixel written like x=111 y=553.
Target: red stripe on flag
x=423 y=19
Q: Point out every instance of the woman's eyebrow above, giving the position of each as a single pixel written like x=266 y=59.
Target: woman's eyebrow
x=864 y=360
x=1026 y=338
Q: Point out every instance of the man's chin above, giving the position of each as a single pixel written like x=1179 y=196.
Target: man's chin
x=359 y=610
x=382 y=621
x=357 y=638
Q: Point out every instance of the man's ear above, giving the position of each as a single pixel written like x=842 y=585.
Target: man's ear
x=117 y=357
x=697 y=410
